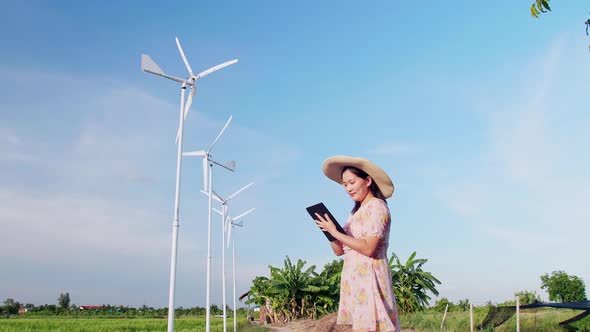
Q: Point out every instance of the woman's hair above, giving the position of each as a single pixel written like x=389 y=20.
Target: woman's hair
x=373 y=187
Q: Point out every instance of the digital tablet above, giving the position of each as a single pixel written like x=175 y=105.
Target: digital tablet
x=321 y=209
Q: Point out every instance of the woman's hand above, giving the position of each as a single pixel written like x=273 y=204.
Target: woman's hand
x=365 y=245
x=326 y=224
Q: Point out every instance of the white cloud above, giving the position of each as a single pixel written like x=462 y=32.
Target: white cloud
x=61 y=223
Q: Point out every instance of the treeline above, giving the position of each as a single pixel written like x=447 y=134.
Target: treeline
x=560 y=286
x=11 y=308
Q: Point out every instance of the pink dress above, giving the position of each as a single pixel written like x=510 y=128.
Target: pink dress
x=367 y=300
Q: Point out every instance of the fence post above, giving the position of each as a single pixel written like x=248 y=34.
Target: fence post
x=517 y=314
x=445 y=315
x=471 y=316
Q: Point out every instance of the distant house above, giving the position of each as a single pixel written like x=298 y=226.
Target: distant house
x=89 y=307
x=22 y=311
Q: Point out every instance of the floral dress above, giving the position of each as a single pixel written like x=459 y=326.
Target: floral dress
x=367 y=300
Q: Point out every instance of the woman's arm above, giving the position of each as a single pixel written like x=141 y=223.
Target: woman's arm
x=366 y=245
x=337 y=248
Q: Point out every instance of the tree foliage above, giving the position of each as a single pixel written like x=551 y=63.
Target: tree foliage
x=64 y=300
x=411 y=283
x=538 y=7
x=563 y=287
x=463 y=305
x=441 y=305
x=527 y=297
x=10 y=307
x=294 y=292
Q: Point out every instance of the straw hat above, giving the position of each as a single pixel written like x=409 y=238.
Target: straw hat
x=333 y=167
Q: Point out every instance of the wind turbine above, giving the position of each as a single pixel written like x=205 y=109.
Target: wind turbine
x=231 y=222
x=208 y=183
x=149 y=66
x=224 y=208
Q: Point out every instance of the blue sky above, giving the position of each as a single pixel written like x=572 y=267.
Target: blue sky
x=477 y=113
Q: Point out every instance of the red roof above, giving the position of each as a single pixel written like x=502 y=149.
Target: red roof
x=82 y=307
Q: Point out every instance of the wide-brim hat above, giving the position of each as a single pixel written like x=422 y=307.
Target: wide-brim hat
x=333 y=167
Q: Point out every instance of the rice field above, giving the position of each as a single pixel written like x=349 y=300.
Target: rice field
x=68 y=324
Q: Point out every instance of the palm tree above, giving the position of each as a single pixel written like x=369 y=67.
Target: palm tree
x=411 y=284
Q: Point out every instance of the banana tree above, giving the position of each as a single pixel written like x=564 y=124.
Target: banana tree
x=411 y=284
x=294 y=291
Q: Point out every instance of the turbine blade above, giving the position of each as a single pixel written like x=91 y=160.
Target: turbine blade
x=243 y=214
x=187 y=108
x=189 y=100
x=239 y=191
x=205 y=167
x=188 y=67
x=228 y=223
x=216 y=68
x=219 y=212
x=220 y=133
x=229 y=234
x=199 y=153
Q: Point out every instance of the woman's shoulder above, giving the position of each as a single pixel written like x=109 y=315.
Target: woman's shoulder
x=377 y=204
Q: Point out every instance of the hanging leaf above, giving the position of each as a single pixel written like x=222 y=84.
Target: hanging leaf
x=534 y=11
x=546 y=4
x=540 y=6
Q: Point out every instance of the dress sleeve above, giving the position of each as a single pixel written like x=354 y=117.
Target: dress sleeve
x=376 y=219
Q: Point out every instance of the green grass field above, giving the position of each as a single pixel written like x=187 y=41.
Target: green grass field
x=546 y=319
x=531 y=320
x=65 y=324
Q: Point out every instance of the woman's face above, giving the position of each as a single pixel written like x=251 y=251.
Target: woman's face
x=356 y=187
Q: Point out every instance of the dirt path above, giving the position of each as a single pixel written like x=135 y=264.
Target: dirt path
x=326 y=324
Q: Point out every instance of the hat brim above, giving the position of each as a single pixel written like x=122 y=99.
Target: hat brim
x=333 y=166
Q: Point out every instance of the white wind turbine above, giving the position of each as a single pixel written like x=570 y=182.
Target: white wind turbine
x=208 y=183
x=223 y=212
x=231 y=222
x=148 y=65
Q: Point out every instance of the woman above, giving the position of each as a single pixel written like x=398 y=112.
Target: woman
x=367 y=300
